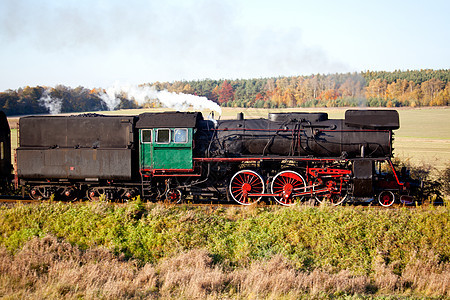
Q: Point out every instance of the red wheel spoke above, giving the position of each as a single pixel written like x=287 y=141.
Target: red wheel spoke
x=240 y=179
x=290 y=180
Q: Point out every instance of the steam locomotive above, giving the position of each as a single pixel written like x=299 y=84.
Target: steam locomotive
x=288 y=157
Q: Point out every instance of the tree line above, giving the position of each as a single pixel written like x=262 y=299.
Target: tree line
x=373 y=89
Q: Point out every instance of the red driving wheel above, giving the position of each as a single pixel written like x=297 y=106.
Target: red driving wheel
x=386 y=198
x=287 y=184
x=243 y=184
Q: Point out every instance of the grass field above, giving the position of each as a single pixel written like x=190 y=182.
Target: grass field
x=423 y=137
x=154 y=251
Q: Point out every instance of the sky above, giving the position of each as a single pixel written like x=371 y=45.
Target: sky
x=101 y=43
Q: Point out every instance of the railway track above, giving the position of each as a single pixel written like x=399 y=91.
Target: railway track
x=18 y=200
x=13 y=200
x=4 y=199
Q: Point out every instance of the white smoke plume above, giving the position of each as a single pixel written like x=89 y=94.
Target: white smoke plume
x=142 y=94
x=52 y=104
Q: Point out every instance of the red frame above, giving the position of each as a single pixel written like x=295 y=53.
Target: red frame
x=315 y=172
x=242 y=159
x=292 y=130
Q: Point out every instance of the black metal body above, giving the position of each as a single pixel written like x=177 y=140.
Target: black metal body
x=88 y=148
x=360 y=134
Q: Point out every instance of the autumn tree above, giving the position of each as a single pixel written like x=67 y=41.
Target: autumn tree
x=376 y=89
x=430 y=90
x=351 y=87
x=226 y=93
x=214 y=96
x=187 y=89
x=330 y=94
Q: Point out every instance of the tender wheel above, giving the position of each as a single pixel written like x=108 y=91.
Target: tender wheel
x=95 y=194
x=246 y=182
x=36 y=194
x=173 y=195
x=70 y=194
x=288 y=184
x=335 y=195
x=128 y=194
x=386 y=198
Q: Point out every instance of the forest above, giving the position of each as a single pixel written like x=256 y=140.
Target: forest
x=415 y=88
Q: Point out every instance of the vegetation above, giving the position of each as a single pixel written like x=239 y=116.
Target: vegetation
x=97 y=250
x=373 y=89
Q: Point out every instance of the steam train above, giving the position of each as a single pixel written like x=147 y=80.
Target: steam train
x=288 y=157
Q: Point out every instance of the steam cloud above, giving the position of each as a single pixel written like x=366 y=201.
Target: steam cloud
x=52 y=104
x=143 y=94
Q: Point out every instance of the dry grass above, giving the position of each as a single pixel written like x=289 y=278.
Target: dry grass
x=49 y=268
x=277 y=278
x=191 y=275
x=52 y=268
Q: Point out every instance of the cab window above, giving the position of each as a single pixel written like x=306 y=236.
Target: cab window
x=180 y=135
x=162 y=136
x=146 y=136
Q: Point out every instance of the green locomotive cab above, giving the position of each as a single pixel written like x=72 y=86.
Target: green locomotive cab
x=166 y=142
x=166 y=148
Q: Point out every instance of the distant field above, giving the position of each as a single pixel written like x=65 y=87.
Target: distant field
x=423 y=137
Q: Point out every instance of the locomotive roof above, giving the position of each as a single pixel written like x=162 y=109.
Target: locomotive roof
x=169 y=119
x=373 y=118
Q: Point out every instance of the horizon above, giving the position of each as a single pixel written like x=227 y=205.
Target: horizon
x=224 y=79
